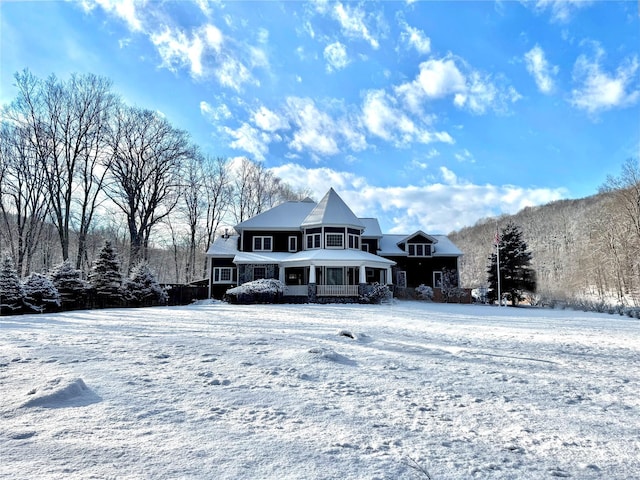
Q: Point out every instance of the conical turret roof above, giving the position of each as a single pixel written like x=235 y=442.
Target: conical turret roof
x=332 y=210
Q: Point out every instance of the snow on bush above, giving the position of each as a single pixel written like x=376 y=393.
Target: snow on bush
x=11 y=290
x=105 y=277
x=142 y=288
x=377 y=293
x=40 y=294
x=71 y=287
x=424 y=292
x=267 y=290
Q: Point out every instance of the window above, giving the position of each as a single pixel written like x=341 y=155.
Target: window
x=259 y=272
x=223 y=274
x=313 y=241
x=334 y=240
x=335 y=276
x=354 y=241
x=437 y=279
x=419 y=249
x=365 y=247
x=262 y=244
x=293 y=244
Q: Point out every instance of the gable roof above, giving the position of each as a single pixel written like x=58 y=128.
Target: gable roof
x=443 y=248
x=331 y=210
x=371 y=228
x=419 y=233
x=286 y=216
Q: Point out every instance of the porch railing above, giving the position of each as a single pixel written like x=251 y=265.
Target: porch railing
x=337 y=290
x=296 y=290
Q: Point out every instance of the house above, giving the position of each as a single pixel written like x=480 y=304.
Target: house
x=322 y=250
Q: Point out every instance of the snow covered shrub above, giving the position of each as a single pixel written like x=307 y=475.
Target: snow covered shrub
x=424 y=292
x=142 y=288
x=11 y=291
x=40 y=294
x=266 y=290
x=105 y=278
x=376 y=293
x=71 y=287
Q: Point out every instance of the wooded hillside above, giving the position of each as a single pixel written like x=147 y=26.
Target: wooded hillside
x=586 y=247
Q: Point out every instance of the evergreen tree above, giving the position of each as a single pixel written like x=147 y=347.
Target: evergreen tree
x=142 y=288
x=40 y=294
x=450 y=289
x=516 y=274
x=70 y=285
x=105 y=277
x=11 y=291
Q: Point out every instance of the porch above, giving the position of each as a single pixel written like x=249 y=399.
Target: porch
x=322 y=290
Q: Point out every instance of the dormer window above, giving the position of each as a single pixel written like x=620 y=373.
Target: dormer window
x=262 y=244
x=419 y=249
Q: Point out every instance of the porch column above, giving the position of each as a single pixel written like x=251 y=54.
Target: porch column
x=389 y=276
x=311 y=288
x=281 y=273
x=363 y=280
x=312 y=274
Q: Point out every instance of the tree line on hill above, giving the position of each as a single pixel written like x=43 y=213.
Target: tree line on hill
x=78 y=166
x=582 y=250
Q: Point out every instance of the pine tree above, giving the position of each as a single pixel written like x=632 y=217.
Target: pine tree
x=516 y=274
x=105 y=277
x=11 y=291
x=450 y=289
x=70 y=285
x=40 y=294
x=142 y=288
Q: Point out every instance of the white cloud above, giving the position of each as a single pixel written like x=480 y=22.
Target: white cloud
x=385 y=120
x=124 y=9
x=214 y=114
x=177 y=49
x=353 y=23
x=417 y=39
x=438 y=207
x=561 y=10
x=599 y=90
x=249 y=139
x=473 y=90
x=232 y=73
x=315 y=129
x=336 y=56
x=269 y=121
x=541 y=70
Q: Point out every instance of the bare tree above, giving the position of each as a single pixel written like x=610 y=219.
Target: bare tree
x=145 y=171
x=257 y=189
x=218 y=195
x=23 y=206
x=65 y=123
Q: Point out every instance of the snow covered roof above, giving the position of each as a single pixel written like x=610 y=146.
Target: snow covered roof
x=286 y=216
x=329 y=257
x=260 y=257
x=371 y=228
x=443 y=248
x=332 y=210
x=224 y=247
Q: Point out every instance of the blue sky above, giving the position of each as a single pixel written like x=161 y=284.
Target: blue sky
x=427 y=115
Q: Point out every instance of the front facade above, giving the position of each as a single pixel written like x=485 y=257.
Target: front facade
x=323 y=251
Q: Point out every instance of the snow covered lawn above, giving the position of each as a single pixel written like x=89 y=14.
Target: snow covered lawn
x=222 y=391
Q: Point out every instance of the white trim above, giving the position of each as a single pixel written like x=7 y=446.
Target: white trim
x=313 y=236
x=419 y=246
x=295 y=243
x=334 y=247
x=435 y=284
x=262 y=238
x=217 y=272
